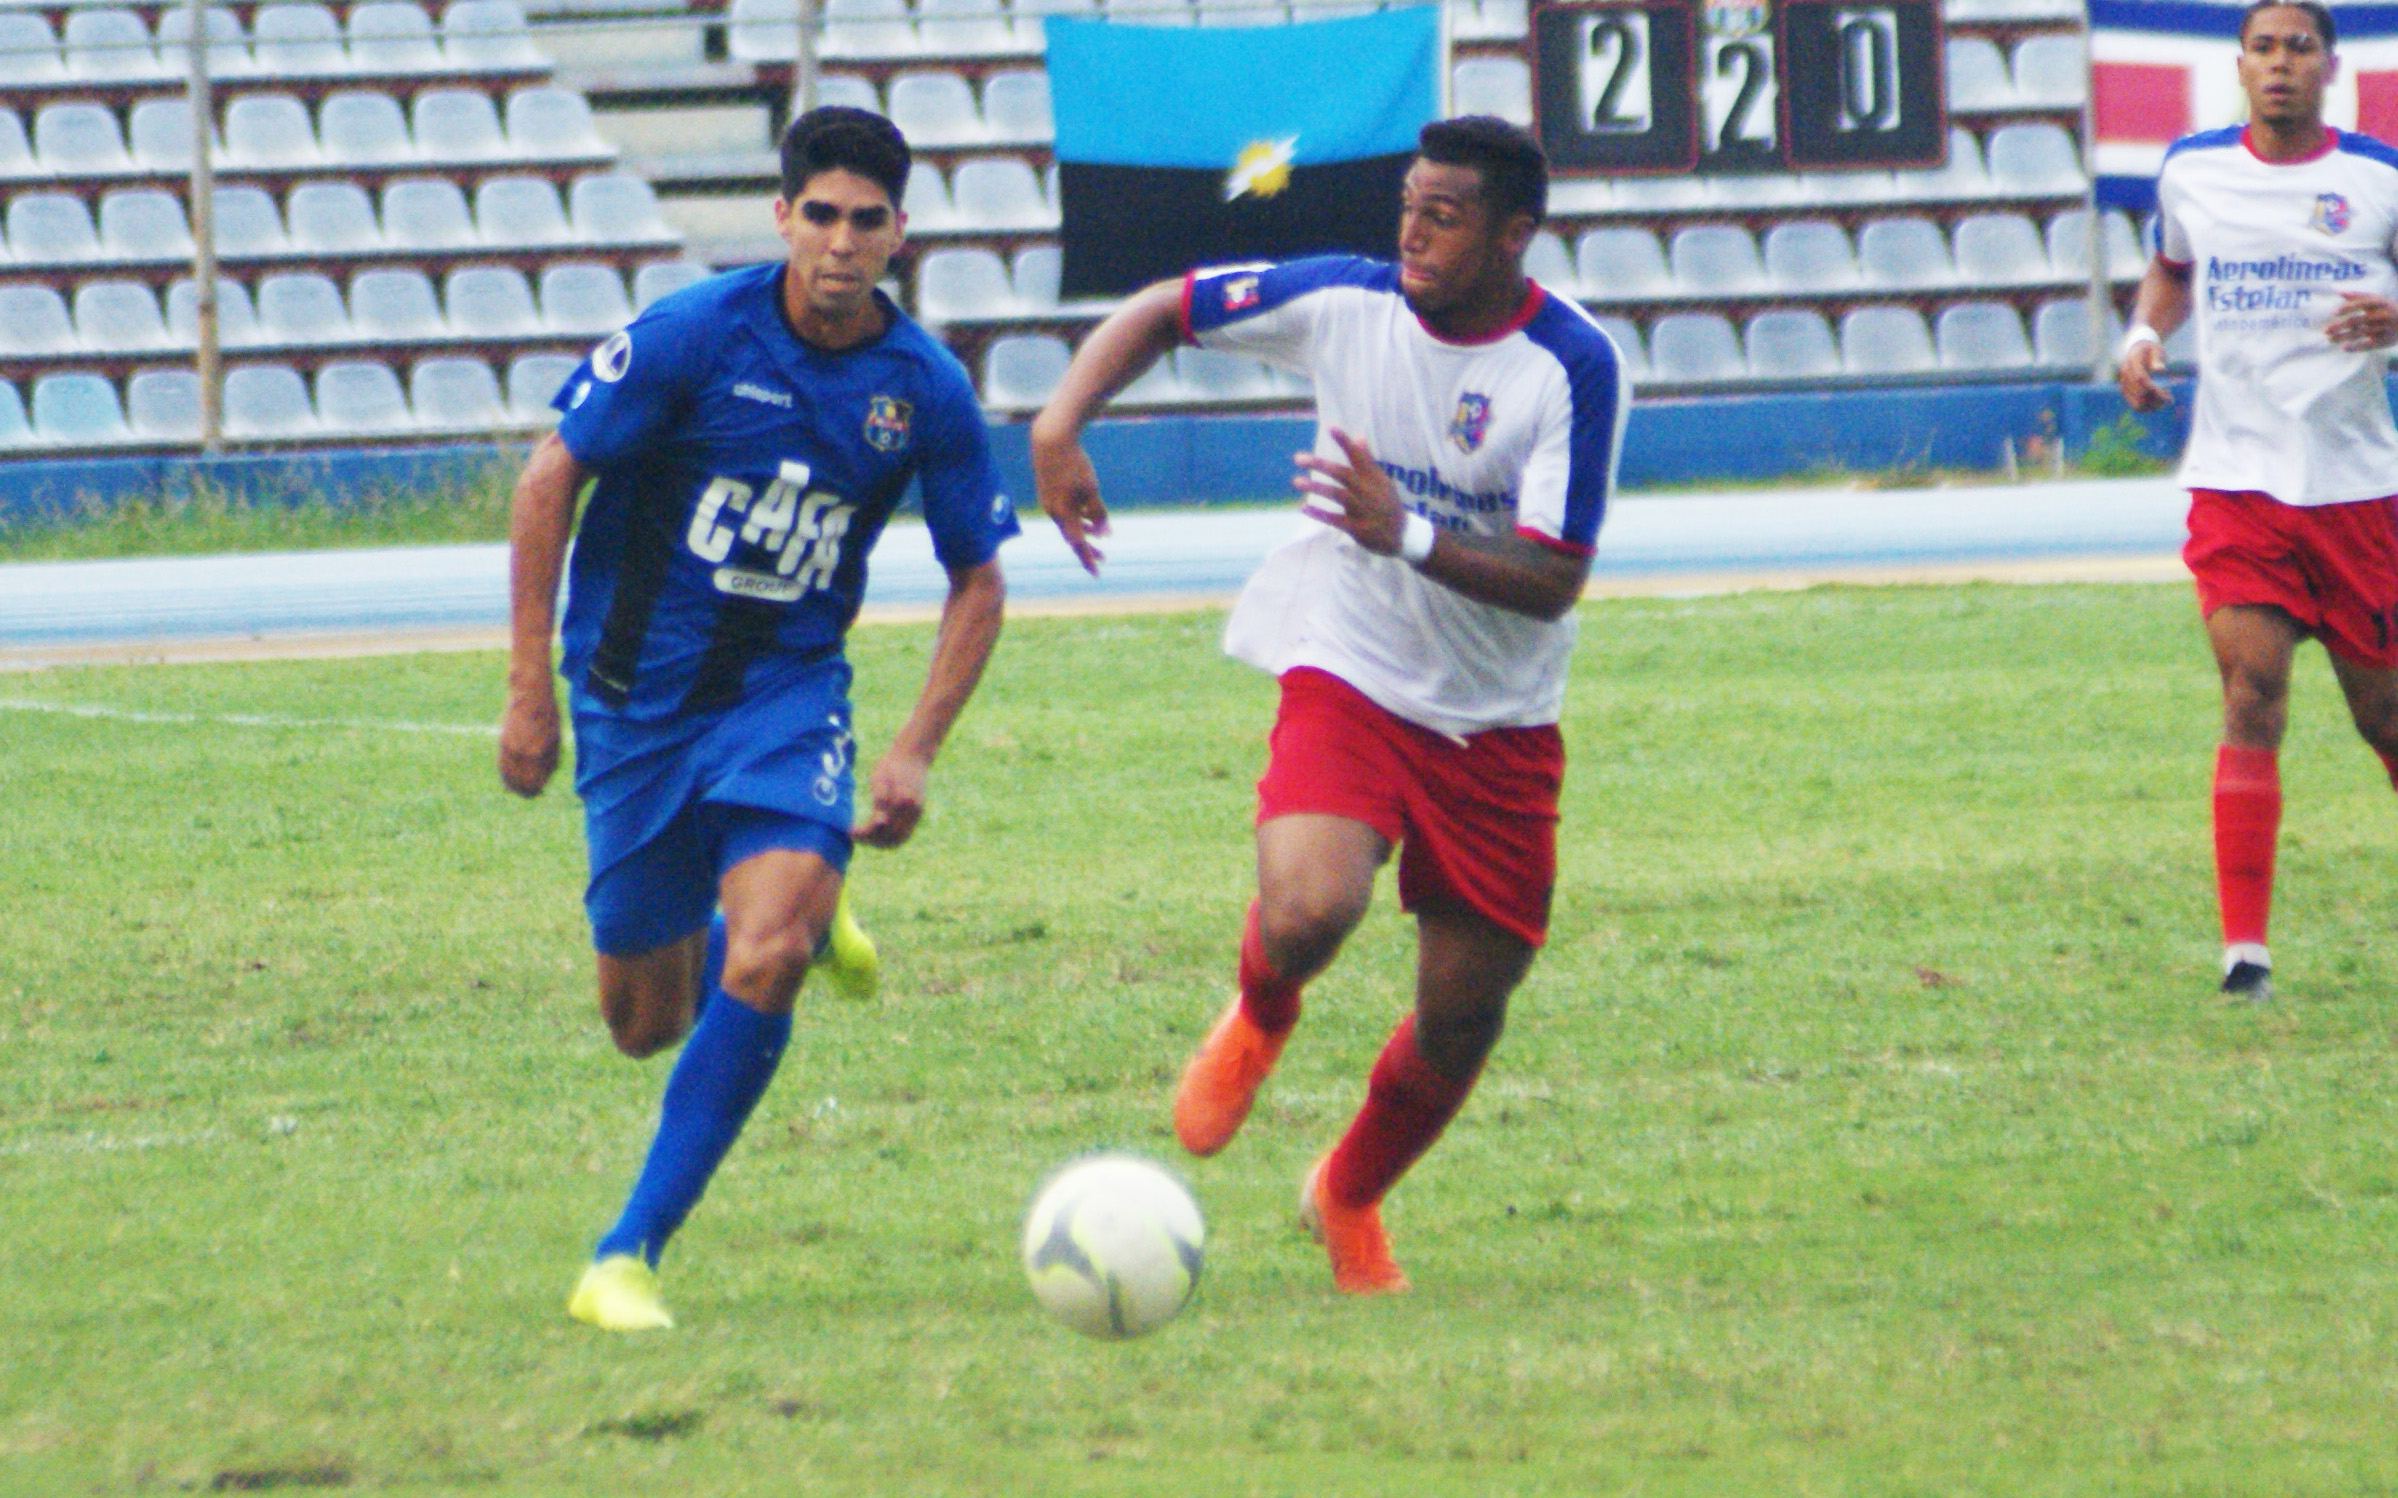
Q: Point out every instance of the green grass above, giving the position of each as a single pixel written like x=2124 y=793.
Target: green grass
x=207 y=521
x=1870 y=1126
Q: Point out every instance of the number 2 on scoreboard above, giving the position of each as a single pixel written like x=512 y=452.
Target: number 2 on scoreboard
x=1615 y=93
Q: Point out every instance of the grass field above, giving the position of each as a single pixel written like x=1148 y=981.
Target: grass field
x=1870 y=1126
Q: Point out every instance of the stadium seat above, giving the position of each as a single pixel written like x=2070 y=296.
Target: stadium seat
x=763 y=30
x=1716 y=260
x=848 y=90
x=1149 y=12
x=553 y=124
x=1886 y=341
x=236 y=319
x=1963 y=176
x=422 y=215
x=1904 y=252
x=1038 y=271
x=1030 y=34
x=534 y=380
x=267 y=400
x=1845 y=189
x=458 y=124
x=248 y=225
x=298 y=41
x=1763 y=190
x=1156 y=386
x=1977 y=75
x=457 y=395
x=952 y=284
x=1692 y=348
x=1247 y=13
x=28 y=50
x=361 y=396
x=269 y=130
x=333 y=218
x=1022 y=372
x=1492 y=85
x=2181 y=345
x=144 y=224
x=936 y=109
x=302 y=308
x=160 y=133
x=2069 y=244
x=394 y=37
x=2035 y=161
x=584 y=299
x=1549 y=262
x=489 y=34
x=1629 y=344
x=651 y=282
x=926 y=199
x=395 y=306
x=614 y=209
x=50 y=228
x=868 y=28
x=1981 y=335
x=1809 y=255
x=1490 y=20
x=110 y=46
x=74 y=139
x=16 y=149
x=491 y=301
x=2061 y=333
x=1211 y=375
x=2000 y=249
x=228 y=52
x=965 y=28
x=521 y=211
x=163 y=405
x=34 y=320
x=364 y=129
x=2052 y=71
x=2014 y=10
x=1668 y=194
x=78 y=410
x=15 y=429
x=1622 y=265
x=1016 y=108
x=1791 y=345
x=999 y=193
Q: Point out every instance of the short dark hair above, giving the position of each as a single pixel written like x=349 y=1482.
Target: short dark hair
x=2325 y=27
x=837 y=138
x=1514 y=169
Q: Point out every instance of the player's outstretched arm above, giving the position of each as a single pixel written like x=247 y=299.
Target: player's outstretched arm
x=1118 y=352
x=970 y=621
x=538 y=526
x=1358 y=499
x=2163 y=306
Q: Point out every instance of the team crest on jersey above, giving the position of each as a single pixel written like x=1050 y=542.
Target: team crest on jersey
x=611 y=359
x=1471 y=423
x=2332 y=213
x=1240 y=293
x=887 y=423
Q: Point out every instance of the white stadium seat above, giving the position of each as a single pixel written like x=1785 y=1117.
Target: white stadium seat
x=489 y=34
x=459 y=395
x=51 y=228
x=2035 y=160
x=1902 y=253
x=2000 y=249
x=1691 y=348
x=534 y=380
x=160 y=134
x=2069 y=244
x=395 y=306
x=294 y=41
x=2061 y=333
x=1628 y=343
x=968 y=283
x=1000 y=193
x=228 y=50
x=357 y=396
x=965 y=28
x=1791 y=345
x=1022 y=372
x=75 y=139
x=548 y=124
x=1981 y=335
x=163 y=405
x=1549 y=262
x=269 y=130
x=491 y=301
x=2052 y=72
x=664 y=278
x=584 y=299
x=236 y=319
x=333 y=218
x=119 y=317
x=521 y=211
x=248 y=224
x=1963 y=176
x=358 y=128
x=459 y=124
x=302 y=308
x=1886 y=341
x=394 y=37
x=110 y=46
x=1809 y=255
x=34 y=320
x=28 y=50
x=936 y=109
x=144 y=224
x=268 y=400
x=16 y=430
x=422 y=215
x=16 y=149
x=1716 y=260
x=1977 y=75
x=613 y=209
x=78 y=410
x=1492 y=85
x=1016 y=107
x=1623 y=265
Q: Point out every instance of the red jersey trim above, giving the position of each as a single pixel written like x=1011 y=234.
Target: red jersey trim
x=1533 y=297
x=2165 y=259
x=1190 y=286
x=2331 y=143
x=1554 y=543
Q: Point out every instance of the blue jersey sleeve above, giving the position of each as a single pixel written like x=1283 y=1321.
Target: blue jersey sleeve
x=631 y=390
x=964 y=507
x=1265 y=311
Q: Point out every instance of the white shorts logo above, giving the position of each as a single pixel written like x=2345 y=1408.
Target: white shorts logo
x=611 y=359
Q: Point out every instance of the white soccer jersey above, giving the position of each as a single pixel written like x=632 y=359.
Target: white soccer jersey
x=2281 y=409
x=1517 y=433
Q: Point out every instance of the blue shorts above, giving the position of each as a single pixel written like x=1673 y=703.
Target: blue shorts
x=669 y=806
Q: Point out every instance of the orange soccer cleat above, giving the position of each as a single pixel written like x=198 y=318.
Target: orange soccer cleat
x=1222 y=1081
x=1353 y=1236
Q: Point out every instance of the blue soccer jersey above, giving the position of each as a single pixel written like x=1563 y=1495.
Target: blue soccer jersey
x=743 y=476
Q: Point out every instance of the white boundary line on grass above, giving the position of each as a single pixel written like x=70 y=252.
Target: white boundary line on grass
x=237 y=720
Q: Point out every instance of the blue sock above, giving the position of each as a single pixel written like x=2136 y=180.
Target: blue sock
x=723 y=1071
x=711 y=967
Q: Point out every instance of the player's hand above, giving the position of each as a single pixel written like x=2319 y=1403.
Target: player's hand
x=2363 y=323
x=2137 y=374
x=897 y=791
x=529 y=739
x=1361 y=502
x=1069 y=491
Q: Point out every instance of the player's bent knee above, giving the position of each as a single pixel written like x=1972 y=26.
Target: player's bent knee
x=1456 y=1042
x=1303 y=918
x=768 y=966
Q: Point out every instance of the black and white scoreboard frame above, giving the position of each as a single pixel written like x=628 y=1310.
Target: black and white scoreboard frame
x=1656 y=87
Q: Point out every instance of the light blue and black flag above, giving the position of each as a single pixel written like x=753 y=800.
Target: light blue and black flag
x=1180 y=147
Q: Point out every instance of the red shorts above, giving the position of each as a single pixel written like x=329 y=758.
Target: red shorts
x=1476 y=823
x=2333 y=568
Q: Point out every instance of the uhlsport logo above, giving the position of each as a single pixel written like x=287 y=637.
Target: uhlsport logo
x=1471 y=423
x=611 y=359
x=2332 y=213
x=887 y=423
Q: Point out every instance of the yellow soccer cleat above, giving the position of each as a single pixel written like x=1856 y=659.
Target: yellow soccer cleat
x=620 y=1294
x=851 y=964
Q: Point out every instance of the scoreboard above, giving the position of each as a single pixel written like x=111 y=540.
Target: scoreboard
x=1657 y=86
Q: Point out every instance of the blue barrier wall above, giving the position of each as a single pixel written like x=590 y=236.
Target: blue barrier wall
x=1201 y=459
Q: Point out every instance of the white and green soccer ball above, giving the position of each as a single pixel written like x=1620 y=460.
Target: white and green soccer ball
x=1113 y=1245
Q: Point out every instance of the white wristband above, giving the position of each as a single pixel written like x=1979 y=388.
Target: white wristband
x=1415 y=539
x=2141 y=333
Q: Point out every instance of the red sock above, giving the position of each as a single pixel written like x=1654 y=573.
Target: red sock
x=1270 y=1000
x=1407 y=1106
x=2247 y=820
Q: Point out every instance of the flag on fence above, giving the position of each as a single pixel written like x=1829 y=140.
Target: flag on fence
x=2160 y=69
x=1182 y=146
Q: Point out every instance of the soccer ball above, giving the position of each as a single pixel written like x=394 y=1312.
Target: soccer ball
x=1112 y=1246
